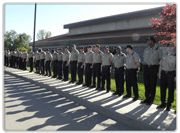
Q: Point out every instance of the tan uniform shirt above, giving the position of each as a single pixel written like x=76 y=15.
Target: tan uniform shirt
x=60 y=56
x=42 y=55
x=55 y=57
x=20 y=54
x=168 y=62
x=37 y=56
x=89 y=57
x=24 y=55
x=152 y=56
x=119 y=60
x=81 y=57
x=74 y=55
x=17 y=53
x=132 y=59
x=107 y=58
x=31 y=54
x=48 y=56
x=97 y=57
x=66 y=55
x=14 y=53
x=11 y=53
x=8 y=54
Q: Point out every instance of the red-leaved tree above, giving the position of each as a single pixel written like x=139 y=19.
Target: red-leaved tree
x=166 y=26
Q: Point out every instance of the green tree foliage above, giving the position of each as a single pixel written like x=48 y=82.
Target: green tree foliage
x=12 y=40
x=42 y=34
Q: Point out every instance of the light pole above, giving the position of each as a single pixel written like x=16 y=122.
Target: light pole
x=34 y=29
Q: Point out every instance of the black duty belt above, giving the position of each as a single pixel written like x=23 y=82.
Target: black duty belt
x=151 y=65
x=166 y=72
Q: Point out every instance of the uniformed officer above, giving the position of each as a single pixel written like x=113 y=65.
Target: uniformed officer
x=97 y=61
x=55 y=63
x=31 y=59
x=167 y=76
x=24 y=59
x=88 y=66
x=17 y=58
x=37 y=58
x=73 y=63
x=60 y=60
x=20 y=59
x=42 y=59
x=14 y=58
x=11 y=58
x=48 y=59
x=152 y=56
x=5 y=51
x=106 y=65
x=80 y=65
x=132 y=67
x=8 y=57
x=119 y=62
x=66 y=59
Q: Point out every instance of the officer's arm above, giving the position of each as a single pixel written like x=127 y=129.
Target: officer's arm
x=160 y=66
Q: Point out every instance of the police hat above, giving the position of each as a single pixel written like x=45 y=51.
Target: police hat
x=106 y=47
x=52 y=51
x=59 y=48
x=47 y=49
x=81 y=47
x=170 y=44
x=89 y=46
x=151 y=38
x=73 y=45
x=66 y=47
x=97 y=45
x=118 y=47
x=129 y=46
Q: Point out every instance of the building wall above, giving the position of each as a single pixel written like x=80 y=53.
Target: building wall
x=115 y=25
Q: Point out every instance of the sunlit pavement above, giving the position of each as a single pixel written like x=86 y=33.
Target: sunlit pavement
x=30 y=105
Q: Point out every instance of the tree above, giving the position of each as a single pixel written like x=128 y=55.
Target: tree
x=42 y=34
x=166 y=27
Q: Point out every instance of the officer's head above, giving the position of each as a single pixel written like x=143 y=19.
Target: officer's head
x=89 y=47
x=60 y=50
x=47 y=50
x=118 y=49
x=39 y=50
x=106 y=49
x=73 y=46
x=30 y=50
x=129 y=48
x=66 y=48
x=96 y=47
x=53 y=51
x=81 y=49
x=170 y=47
x=151 y=40
x=24 y=51
x=36 y=51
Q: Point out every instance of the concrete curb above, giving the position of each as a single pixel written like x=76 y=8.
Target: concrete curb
x=127 y=119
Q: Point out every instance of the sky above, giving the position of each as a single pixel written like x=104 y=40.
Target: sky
x=52 y=17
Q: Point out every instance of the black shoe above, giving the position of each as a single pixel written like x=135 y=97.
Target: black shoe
x=97 y=88
x=126 y=96
x=116 y=93
x=101 y=88
x=149 y=103
x=45 y=75
x=84 y=84
x=167 y=108
x=73 y=82
x=135 y=99
x=49 y=76
x=93 y=86
x=70 y=81
x=161 y=106
x=78 y=83
x=145 y=101
x=107 y=91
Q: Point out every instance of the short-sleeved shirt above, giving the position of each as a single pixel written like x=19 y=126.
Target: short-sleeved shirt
x=31 y=54
x=74 y=55
x=89 y=57
x=66 y=55
x=97 y=57
x=37 y=56
x=81 y=57
x=107 y=58
x=152 y=56
x=168 y=62
x=8 y=54
x=55 y=57
x=14 y=53
x=48 y=56
x=132 y=59
x=119 y=60
x=24 y=55
x=60 y=56
x=20 y=54
x=42 y=55
x=11 y=53
x=17 y=53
